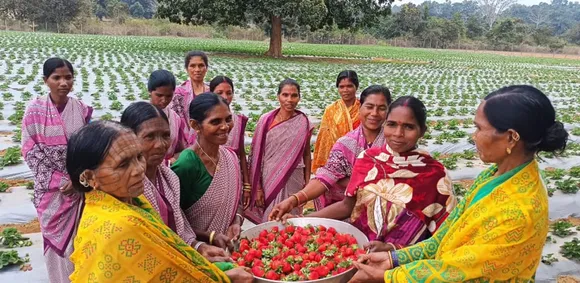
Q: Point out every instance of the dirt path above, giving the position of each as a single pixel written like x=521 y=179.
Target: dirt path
x=30 y=227
x=568 y=279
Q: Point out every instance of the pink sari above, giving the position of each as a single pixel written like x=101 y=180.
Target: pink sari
x=45 y=133
x=340 y=163
x=182 y=97
x=238 y=132
x=217 y=208
x=177 y=128
x=277 y=161
x=164 y=197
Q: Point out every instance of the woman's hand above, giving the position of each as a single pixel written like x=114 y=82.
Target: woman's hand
x=371 y=267
x=287 y=216
x=222 y=241
x=213 y=253
x=260 y=197
x=377 y=246
x=281 y=208
x=240 y=275
x=246 y=198
x=233 y=232
x=67 y=189
x=380 y=260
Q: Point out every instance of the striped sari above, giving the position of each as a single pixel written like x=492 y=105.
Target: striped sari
x=340 y=163
x=177 y=128
x=238 y=132
x=45 y=133
x=182 y=98
x=277 y=161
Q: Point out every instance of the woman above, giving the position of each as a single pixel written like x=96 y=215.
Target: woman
x=330 y=182
x=151 y=126
x=280 y=157
x=47 y=125
x=224 y=87
x=210 y=176
x=161 y=86
x=121 y=238
x=338 y=119
x=397 y=194
x=196 y=64
x=498 y=230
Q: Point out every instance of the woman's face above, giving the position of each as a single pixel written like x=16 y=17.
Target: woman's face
x=196 y=69
x=155 y=140
x=373 y=112
x=402 y=131
x=122 y=171
x=347 y=89
x=161 y=96
x=490 y=144
x=60 y=82
x=216 y=126
x=289 y=98
x=225 y=90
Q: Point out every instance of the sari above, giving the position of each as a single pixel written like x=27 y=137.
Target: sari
x=177 y=128
x=164 y=198
x=400 y=197
x=120 y=242
x=496 y=233
x=237 y=133
x=339 y=165
x=45 y=133
x=336 y=122
x=182 y=97
x=277 y=161
x=216 y=209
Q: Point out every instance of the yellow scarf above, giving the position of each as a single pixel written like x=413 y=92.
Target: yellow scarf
x=118 y=242
x=496 y=233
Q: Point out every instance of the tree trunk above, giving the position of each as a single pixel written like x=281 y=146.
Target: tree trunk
x=275 y=49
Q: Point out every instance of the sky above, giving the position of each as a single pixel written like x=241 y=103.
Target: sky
x=523 y=2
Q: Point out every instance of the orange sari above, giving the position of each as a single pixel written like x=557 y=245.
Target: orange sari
x=337 y=121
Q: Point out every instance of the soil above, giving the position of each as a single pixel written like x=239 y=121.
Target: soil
x=15 y=182
x=519 y=54
x=568 y=279
x=30 y=227
x=573 y=220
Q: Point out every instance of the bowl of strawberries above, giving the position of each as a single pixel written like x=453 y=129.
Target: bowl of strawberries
x=304 y=250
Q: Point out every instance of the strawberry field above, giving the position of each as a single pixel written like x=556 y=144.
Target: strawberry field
x=112 y=72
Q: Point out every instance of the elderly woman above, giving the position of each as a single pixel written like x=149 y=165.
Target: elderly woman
x=397 y=194
x=121 y=238
x=329 y=183
x=497 y=231
x=48 y=123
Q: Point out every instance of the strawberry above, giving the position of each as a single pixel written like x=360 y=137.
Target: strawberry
x=258 y=271
x=272 y=275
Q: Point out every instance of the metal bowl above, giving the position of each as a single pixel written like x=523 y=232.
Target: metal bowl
x=340 y=226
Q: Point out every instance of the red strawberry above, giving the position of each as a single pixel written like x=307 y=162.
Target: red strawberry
x=271 y=275
x=258 y=271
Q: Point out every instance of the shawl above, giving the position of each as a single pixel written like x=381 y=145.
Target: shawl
x=182 y=98
x=237 y=133
x=177 y=128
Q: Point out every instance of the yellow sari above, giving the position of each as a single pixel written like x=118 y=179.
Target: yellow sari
x=336 y=122
x=495 y=234
x=118 y=242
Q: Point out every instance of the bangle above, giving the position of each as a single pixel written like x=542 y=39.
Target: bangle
x=247 y=190
x=390 y=259
x=247 y=185
x=297 y=200
x=198 y=244
x=394 y=259
x=305 y=195
x=392 y=245
x=211 y=235
x=241 y=218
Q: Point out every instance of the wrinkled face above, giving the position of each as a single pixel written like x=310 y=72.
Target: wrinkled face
x=216 y=126
x=122 y=172
x=60 y=82
x=373 y=111
x=196 y=69
x=225 y=90
x=155 y=138
x=402 y=131
x=289 y=98
x=347 y=90
x=490 y=144
x=161 y=96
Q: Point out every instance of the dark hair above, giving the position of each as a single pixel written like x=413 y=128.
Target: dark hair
x=376 y=89
x=138 y=113
x=347 y=74
x=288 y=82
x=88 y=147
x=192 y=54
x=218 y=80
x=54 y=63
x=416 y=105
x=528 y=111
x=204 y=103
x=161 y=78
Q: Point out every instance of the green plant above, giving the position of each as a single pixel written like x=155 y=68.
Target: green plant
x=116 y=105
x=10 y=157
x=16 y=118
x=30 y=185
x=17 y=137
x=575 y=131
x=458 y=190
x=555 y=174
x=574 y=172
x=549 y=259
x=107 y=117
x=571 y=250
x=4 y=187
x=11 y=238
x=562 y=228
x=568 y=186
x=11 y=257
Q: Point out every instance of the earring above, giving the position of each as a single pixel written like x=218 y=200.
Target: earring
x=516 y=136
x=83 y=181
x=509 y=151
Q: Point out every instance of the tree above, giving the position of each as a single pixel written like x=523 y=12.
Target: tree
x=573 y=35
x=506 y=33
x=457 y=26
x=491 y=9
x=136 y=10
x=474 y=28
x=312 y=13
x=409 y=18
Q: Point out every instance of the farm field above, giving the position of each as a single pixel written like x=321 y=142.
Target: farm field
x=111 y=72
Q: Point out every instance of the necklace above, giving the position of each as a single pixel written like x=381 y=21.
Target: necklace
x=211 y=159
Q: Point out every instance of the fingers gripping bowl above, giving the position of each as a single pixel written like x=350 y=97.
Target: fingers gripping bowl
x=339 y=226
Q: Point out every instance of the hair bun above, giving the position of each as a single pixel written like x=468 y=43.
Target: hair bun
x=554 y=139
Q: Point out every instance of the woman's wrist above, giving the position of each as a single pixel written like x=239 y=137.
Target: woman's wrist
x=198 y=245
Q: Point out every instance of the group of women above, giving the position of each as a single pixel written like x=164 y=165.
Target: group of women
x=162 y=195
